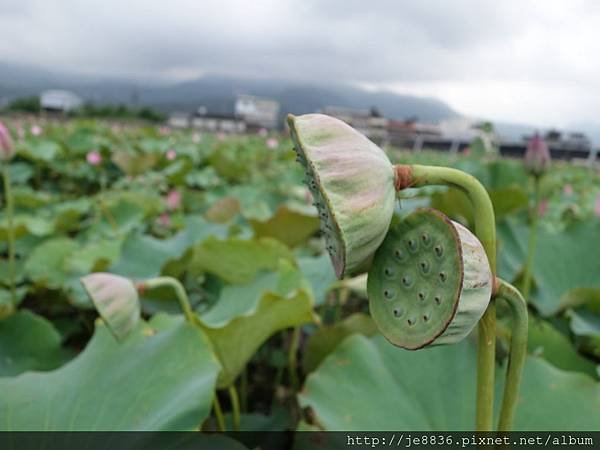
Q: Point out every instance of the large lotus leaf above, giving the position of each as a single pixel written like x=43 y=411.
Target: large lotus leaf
x=223 y=210
x=95 y=256
x=454 y=203
x=29 y=342
x=159 y=378
x=40 y=150
x=237 y=260
x=66 y=215
x=287 y=225
x=26 y=224
x=549 y=343
x=586 y=324
x=116 y=218
x=323 y=341
x=134 y=163
x=48 y=263
x=144 y=256
x=319 y=273
x=566 y=261
x=246 y=315
x=512 y=238
x=368 y=384
x=7 y=305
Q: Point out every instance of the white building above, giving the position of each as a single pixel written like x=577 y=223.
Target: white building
x=258 y=112
x=60 y=101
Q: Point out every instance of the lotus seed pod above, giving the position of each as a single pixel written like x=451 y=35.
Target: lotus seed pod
x=537 y=156
x=430 y=281
x=352 y=183
x=116 y=300
x=7 y=150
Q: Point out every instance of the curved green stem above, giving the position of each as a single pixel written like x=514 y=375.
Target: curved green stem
x=219 y=413
x=518 y=351
x=180 y=293
x=235 y=407
x=533 y=227
x=293 y=359
x=10 y=233
x=485 y=229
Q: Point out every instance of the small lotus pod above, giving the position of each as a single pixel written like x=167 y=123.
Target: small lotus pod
x=352 y=183
x=116 y=300
x=430 y=281
x=7 y=149
x=537 y=156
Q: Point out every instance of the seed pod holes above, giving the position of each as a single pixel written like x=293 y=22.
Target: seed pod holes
x=443 y=289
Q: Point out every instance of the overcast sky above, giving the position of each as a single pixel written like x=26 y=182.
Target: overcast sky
x=536 y=62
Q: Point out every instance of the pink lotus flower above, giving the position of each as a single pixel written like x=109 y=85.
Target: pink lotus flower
x=164 y=130
x=36 y=130
x=543 y=207
x=220 y=136
x=568 y=190
x=263 y=132
x=164 y=220
x=6 y=145
x=173 y=199
x=196 y=138
x=171 y=154
x=94 y=158
x=466 y=150
x=537 y=156
x=272 y=143
x=597 y=206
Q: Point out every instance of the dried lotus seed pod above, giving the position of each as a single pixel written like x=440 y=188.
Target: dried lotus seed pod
x=430 y=281
x=352 y=183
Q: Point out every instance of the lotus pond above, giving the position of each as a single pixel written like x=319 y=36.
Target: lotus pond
x=271 y=340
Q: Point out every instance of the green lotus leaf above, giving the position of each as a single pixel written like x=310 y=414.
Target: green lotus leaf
x=319 y=273
x=246 y=315
x=48 y=264
x=566 y=263
x=238 y=260
x=326 y=339
x=116 y=300
x=29 y=342
x=287 y=225
x=159 y=378
x=547 y=342
x=134 y=163
x=139 y=249
x=368 y=384
x=352 y=184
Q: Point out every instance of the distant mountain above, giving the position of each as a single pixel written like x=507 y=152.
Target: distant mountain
x=217 y=93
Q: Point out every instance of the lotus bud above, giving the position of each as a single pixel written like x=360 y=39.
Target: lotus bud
x=537 y=156
x=430 y=281
x=352 y=183
x=6 y=145
x=116 y=300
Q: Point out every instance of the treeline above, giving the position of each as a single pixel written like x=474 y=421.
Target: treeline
x=32 y=105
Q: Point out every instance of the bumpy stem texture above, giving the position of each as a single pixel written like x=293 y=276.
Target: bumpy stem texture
x=10 y=233
x=485 y=230
x=533 y=227
x=180 y=293
x=518 y=352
